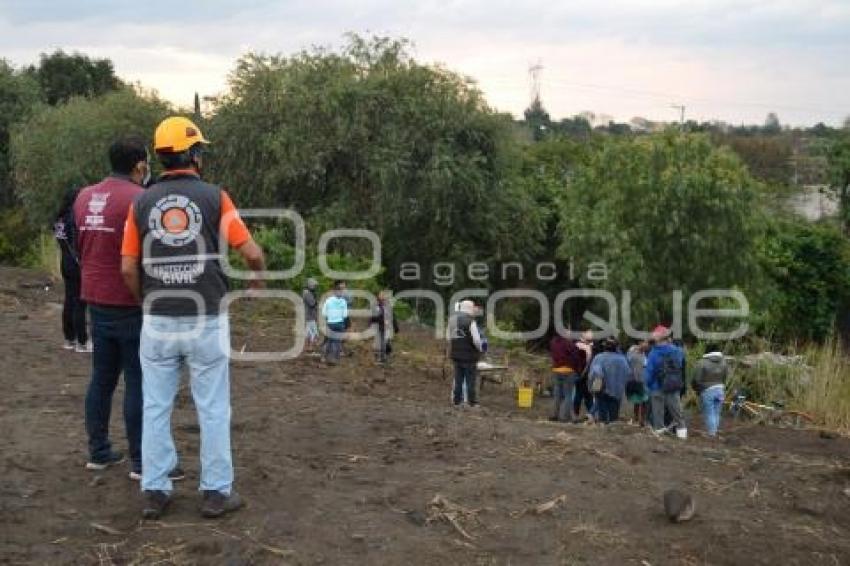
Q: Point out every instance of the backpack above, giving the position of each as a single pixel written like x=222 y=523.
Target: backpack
x=670 y=374
x=596 y=383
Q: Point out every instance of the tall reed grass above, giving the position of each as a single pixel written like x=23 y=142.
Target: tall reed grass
x=815 y=380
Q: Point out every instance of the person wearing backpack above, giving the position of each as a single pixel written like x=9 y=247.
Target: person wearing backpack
x=609 y=371
x=664 y=378
x=709 y=382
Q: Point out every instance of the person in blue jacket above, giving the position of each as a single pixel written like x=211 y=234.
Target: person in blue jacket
x=614 y=370
x=664 y=377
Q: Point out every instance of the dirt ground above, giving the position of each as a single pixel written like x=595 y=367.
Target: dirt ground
x=362 y=465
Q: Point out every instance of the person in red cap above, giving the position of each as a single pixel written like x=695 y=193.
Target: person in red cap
x=664 y=378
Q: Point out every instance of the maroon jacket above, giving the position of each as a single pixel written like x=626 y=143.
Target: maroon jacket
x=565 y=353
x=100 y=212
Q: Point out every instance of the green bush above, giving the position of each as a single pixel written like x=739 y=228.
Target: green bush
x=808 y=271
x=280 y=255
x=68 y=145
x=17 y=237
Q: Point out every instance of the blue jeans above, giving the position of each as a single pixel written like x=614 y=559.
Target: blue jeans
x=562 y=392
x=115 y=339
x=712 y=403
x=465 y=374
x=203 y=343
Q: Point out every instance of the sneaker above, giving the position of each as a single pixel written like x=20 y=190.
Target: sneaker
x=113 y=458
x=84 y=348
x=217 y=504
x=176 y=474
x=156 y=502
x=69 y=345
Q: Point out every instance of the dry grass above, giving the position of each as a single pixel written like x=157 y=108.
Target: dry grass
x=824 y=391
x=819 y=385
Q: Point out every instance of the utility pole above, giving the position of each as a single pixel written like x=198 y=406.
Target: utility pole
x=681 y=109
x=534 y=73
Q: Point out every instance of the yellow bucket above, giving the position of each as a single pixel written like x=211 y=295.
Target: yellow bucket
x=525 y=397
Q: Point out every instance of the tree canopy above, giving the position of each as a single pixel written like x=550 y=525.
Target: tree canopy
x=67 y=145
x=369 y=138
x=62 y=76
x=664 y=213
x=19 y=95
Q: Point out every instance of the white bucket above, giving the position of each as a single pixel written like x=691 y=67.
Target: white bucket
x=682 y=433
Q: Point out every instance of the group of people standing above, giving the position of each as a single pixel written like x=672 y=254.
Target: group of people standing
x=149 y=255
x=335 y=311
x=651 y=376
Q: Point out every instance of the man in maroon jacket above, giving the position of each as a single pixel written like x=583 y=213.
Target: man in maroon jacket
x=100 y=212
x=567 y=364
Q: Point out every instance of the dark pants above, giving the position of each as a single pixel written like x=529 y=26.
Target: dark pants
x=115 y=337
x=333 y=342
x=465 y=373
x=582 y=394
x=608 y=408
x=640 y=411
x=73 y=309
x=381 y=345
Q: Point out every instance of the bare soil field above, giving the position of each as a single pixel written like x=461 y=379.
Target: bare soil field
x=358 y=464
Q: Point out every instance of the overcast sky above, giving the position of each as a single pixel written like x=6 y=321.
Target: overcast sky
x=733 y=60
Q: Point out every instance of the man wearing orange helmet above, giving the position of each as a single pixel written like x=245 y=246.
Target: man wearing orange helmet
x=175 y=235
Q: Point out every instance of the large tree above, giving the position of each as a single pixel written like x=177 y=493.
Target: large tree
x=62 y=75
x=664 y=212
x=19 y=95
x=67 y=145
x=369 y=138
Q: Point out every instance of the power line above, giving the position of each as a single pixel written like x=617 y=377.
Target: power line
x=669 y=95
x=665 y=95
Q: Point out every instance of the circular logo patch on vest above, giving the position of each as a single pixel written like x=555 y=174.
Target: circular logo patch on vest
x=175 y=220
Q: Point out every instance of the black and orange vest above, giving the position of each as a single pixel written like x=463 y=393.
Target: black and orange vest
x=178 y=220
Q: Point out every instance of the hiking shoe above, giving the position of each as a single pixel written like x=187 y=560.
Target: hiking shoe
x=156 y=503
x=84 y=348
x=217 y=504
x=176 y=474
x=114 y=457
x=69 y=345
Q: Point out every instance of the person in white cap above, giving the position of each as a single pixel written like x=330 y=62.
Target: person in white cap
x=464 y=350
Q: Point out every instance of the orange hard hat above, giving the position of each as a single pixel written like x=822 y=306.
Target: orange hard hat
x=176 y=135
